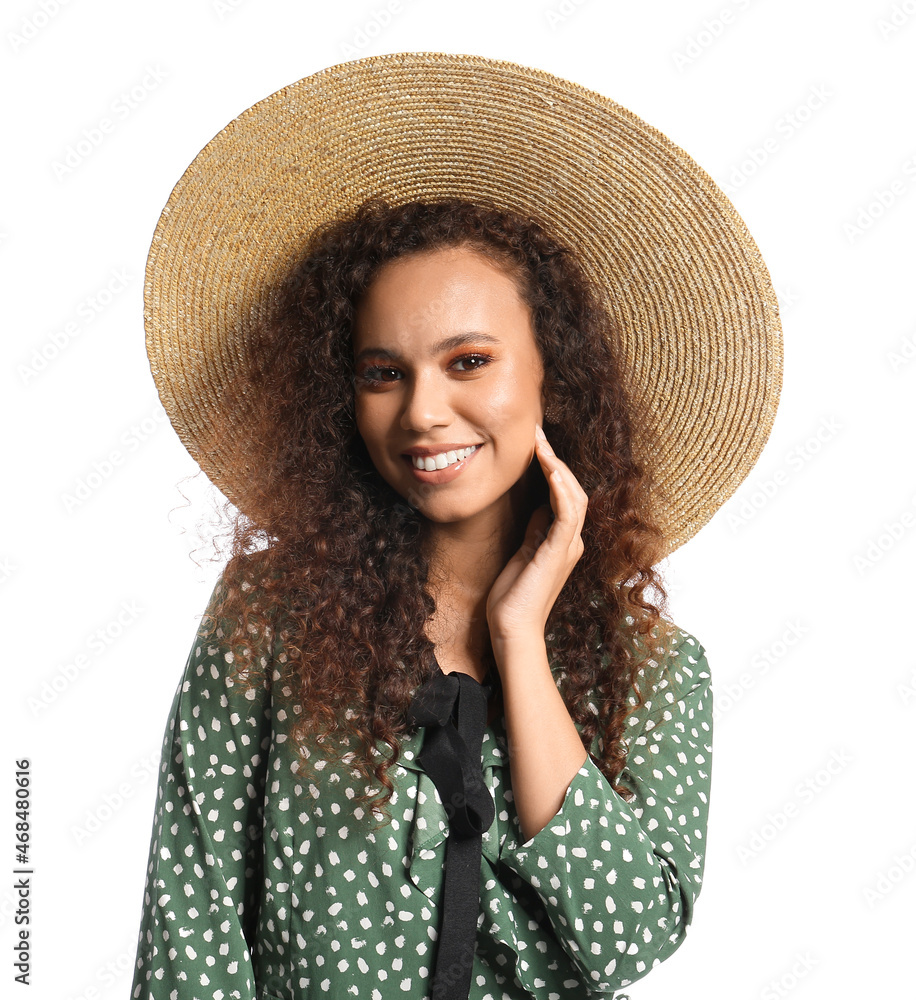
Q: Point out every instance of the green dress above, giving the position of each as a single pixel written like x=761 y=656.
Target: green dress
x=264 y=887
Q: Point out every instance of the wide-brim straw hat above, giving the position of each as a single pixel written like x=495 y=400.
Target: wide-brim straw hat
x=684 y=282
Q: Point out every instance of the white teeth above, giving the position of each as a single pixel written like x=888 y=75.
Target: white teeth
x=441 y=461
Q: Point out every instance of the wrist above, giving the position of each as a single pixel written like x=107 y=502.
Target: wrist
x=510 y=643
x=521 y=655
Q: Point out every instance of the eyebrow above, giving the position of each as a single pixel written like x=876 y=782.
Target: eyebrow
x=448 y=344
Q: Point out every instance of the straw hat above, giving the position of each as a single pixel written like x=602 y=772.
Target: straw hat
x=680 y=274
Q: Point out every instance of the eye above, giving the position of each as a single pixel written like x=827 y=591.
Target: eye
x=482 y=359
x=368 y=376
x=374 y=375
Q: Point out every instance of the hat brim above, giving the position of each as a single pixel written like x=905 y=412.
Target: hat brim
x=680 y=275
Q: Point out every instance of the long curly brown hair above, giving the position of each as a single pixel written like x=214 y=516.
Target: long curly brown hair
x=327 y=576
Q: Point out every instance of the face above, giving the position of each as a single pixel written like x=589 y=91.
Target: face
x=446 y=359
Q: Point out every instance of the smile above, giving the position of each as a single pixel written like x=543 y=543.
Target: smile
x=442 y=468
x=432 y=462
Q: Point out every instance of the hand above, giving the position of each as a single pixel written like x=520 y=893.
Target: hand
x=523 y=595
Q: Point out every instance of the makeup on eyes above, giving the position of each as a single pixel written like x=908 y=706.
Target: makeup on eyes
x=466 y=341
x=480 y=361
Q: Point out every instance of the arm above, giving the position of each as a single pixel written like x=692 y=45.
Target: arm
x=619 y=879
x=543 y=758
x=202 y=884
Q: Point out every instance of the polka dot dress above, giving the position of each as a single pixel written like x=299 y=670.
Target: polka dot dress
x=262 y=886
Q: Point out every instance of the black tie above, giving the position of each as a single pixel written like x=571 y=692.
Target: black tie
x=454 y=708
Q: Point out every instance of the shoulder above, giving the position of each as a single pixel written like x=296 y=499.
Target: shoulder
x=686 y=659
x=249 y=571
x=672 y=655
x=214 y=672
x=221 y=666
x=246 y=587
x=675 y=682
x=668 y=649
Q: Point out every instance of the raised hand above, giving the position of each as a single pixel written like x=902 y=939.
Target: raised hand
x=523 y=595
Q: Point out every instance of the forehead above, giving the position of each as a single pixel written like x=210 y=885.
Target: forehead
x=435 y=296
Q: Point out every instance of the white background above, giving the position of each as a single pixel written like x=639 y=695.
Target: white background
x=800 y=588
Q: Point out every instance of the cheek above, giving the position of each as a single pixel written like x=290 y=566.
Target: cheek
x=368 y=410
x=375 y=426
x=512 y=408
x=512 y=437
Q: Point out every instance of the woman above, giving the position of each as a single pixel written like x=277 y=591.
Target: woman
x=438 y=739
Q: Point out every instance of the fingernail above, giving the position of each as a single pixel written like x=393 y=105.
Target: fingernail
x=540 y=431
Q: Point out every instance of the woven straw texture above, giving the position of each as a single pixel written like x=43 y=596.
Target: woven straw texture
x=680 y=274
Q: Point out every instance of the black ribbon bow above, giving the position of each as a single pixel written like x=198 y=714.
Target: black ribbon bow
x=453 y=708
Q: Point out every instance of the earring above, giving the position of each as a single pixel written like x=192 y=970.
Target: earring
x=550 y=413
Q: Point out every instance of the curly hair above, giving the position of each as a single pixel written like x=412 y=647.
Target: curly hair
x=328 y=560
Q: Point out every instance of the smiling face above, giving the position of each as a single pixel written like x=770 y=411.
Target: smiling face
x=446 y=359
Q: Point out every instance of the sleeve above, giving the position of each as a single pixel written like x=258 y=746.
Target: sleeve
x=202 y=883
x=619 y=879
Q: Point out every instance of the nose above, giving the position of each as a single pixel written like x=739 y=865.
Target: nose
x=427 y=402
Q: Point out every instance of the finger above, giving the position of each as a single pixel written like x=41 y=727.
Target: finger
x=570 y=481
x=565 y=485
x=551 y=460
x=563 y=481
x=569 y=504
x=567 y=523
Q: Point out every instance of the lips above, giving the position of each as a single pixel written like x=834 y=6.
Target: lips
x=441 y=476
